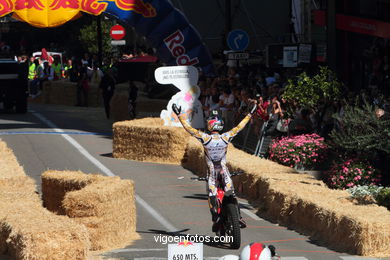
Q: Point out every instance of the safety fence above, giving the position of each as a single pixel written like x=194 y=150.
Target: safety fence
x=254 y=143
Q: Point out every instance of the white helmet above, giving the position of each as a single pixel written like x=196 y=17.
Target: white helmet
x=229 y=257
x=256 y=251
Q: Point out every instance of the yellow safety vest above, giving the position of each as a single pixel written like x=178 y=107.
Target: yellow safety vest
x=57 y=69
x=31 y=71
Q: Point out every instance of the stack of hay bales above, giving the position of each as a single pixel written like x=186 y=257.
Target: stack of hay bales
x=148 y=140
x=296 y=200
x=62 y=92
x=105 y=205
x=304 y=203
x=194 y=158
x=29 y=231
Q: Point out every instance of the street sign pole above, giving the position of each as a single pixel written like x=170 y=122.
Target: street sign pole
x=228 y=21
x=99 y=39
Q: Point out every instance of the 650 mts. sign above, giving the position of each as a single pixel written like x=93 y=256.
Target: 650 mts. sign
x=185 y=251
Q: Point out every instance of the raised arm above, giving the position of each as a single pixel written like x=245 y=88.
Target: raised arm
x=232 y=133
x=201 y=136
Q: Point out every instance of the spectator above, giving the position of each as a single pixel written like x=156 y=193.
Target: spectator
x=275 y=114
x=212 y=101
x=57 y=69
x=82 y=85
x=132 y=102
x=107 y=86
x=226 y=102
x=96 y=76
x=86 y=60
x=242 y=110
x=32 y=75
x=68 y=71
x=261 y=114
x=270 y=79
x=302 y=124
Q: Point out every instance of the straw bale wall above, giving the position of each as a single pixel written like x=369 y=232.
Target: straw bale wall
x=63 y=92
x=148 y=140
x=29 y=231
x=281 y=194
x=105 y=205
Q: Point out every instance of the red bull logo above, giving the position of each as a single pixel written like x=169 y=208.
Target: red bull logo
x=174 y=43
x=138 y=6
x=51 y=13
x=185 y=243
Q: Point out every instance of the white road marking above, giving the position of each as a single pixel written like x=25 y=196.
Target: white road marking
x=137 y=250
x=150 y=258
x=248 y=212
x=251 y=214
x=160 y=258
x=106 y=171
x=357 y=258
x=293 y=258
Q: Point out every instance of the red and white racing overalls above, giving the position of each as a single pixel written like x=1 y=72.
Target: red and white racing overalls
x=215 y=149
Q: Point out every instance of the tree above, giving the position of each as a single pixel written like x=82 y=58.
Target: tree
x=309 y=92
x=363 y=130
x=88 y=37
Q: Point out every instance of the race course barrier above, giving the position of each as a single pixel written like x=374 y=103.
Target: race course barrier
x=148 y=140
x=298 y=201
x=28 y=230
x=64 y=92
x=105 y=205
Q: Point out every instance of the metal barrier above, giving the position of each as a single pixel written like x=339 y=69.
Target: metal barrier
x=248 y=141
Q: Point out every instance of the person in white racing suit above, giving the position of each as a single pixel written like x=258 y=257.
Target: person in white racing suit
x=215 y=149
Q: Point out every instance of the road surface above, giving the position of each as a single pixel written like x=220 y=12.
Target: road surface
x=168 y=201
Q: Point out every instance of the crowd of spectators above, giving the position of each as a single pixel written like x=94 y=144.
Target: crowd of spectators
x=83 y=71
x=237 y=87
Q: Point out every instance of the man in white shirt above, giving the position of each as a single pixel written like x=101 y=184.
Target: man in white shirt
x=226 y=103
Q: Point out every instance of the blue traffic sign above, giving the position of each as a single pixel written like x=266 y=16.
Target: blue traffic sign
x=238 y=40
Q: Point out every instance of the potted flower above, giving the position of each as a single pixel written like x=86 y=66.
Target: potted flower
x=301 y=151
x=347 y=173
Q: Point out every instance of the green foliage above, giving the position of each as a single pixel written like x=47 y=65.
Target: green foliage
x=361 y=130
x=309 y=91
x=364 y=193
x=88 y=36
x=383 y=198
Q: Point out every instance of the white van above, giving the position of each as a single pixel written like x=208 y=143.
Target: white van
x=50 y=53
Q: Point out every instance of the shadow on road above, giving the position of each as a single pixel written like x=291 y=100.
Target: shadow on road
x=197 y=197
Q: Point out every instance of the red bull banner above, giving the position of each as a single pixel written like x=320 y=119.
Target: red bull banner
x=44 y=13
x=168 y=30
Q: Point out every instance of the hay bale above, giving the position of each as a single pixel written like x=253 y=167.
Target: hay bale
x=301 y=202
x=29 y=231
x=9 y=164
x=63 y=92
x=149 y=141
x=43 y=235
x=105 y=205
x=307 y=205
x=193 y=159
x=55 y=184
x=296 y=200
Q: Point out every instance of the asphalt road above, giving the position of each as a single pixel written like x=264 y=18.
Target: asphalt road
x=70 y=138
